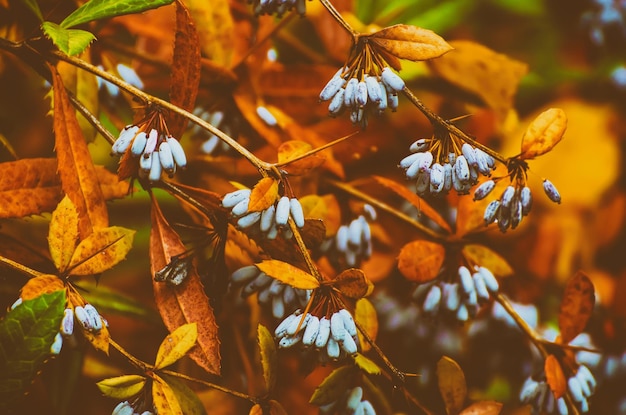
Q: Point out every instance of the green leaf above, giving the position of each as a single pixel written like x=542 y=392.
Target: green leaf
x=268 y=356
x=34 y=7
x=26 y=334
x=122 y=387
x=334 y=386
x=102 y=9
x=187 y=398
x=69 y=41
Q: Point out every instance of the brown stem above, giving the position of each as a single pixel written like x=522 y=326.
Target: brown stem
x=212 y=386
x=19 y=267
x=143 y=366
x=339 y=18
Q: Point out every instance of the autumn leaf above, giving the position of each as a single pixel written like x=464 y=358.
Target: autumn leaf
x=483 y=408
x=269 y=361
x=451 y=385
x=263 y=195
x=184 y=303
x=122 y=387
x=482 y=256
x=576 y=306
x=420 y=261
x=365 y=315
x=367 y=365
x=101 y=250
x=63 y=233
x=325 y=208
x=294 y=149
x=176 y=345
x=353 y=283
x=543 y=133
x=215 y=28
x=410 y=42
x=334 y=386
x=79 y=179
x=288 y=274
x=187 y=398
x=163 y=398
x=43 y=284
x=185 y=70
x=555 y=377
x=99 y=339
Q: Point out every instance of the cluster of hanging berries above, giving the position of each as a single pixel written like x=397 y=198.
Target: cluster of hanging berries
x=538 y=394
x=335 y=336
x=440 y=164
x=278 y=7
x=271 y=220
x=125 y=408
x=351 y=403
x=151 y=142
x=461 y=297
x=211 y=143
x=353 y=242
x=270 y=292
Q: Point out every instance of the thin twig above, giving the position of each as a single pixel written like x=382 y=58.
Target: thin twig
x=339 y=18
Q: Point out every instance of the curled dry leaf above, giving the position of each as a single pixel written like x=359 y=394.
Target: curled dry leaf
x=482 y=256
x=410 y=42
x=420 y=261
x=288 y=274
x=452 y=385
x=365 y=315
x=122 y=387
x=263 y=195
x=353 y=283
x=555 y=377
x=576 y=306
x=543 y=133
x=176 y=345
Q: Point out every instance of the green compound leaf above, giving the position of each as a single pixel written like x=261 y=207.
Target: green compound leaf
x=69 y=41
x=26 y=334
x=102 y=9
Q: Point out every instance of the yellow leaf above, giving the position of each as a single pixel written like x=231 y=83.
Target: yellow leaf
x=263 y=194
x=176 y=345
x=43 y=284
x=291 y=150
x=267 y=347
x=420 y=261
x=188 y=399
x=288 y=274
x=365 y=315
x=410 y=42
x=256 y=410
x=334 y=386
x=555 y=377
x=367 y=365
x=353 y=283
x=452 y=385
x=63 y=233
x=101 y=250
x=543 y=133
x=576 y=306
x=483 y=408
x=325 y=208
x=99 y=340
x=482 y=256
x=122 y=387
x=215 y=27
x=164 y=399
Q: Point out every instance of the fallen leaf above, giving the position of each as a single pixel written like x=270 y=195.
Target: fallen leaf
x=288 y=274
x=421 y=260
x=176 y=345
x=543 y=133
x=63 y=233
x=576 y=306
x=555 y=377
x=410 y=42
x=452 y=385
x=263 y=195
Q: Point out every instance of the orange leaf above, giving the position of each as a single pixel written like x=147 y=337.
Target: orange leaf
x=101 y=250
x=576 y=306
x=410 y=42
x=420 y=261
x=543 y=133
x=353 y=283
x=43 y=284
x=288 y=274
x=215 y=28
x=485 y=257
x=415 y=200
x=63 y=233
x=76 y=169
x=365 y=315
x=483 y=408
x=185 y=77
x=99 y=340
x=325 y=208
x=184 y=303
x=555 y=377
x=290 y=150
x=163 y=398
x=263 y=195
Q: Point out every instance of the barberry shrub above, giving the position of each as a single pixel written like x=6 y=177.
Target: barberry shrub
x=292 y=206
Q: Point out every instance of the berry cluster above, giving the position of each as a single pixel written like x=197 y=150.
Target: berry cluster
x=352 y=243
x=269 y=291
x=461 y=297
x=279 y=7
x=125 y=408
x=87 y=316
x=335 y=336
x=437 y=167
x=270 y=220
x=351 y=403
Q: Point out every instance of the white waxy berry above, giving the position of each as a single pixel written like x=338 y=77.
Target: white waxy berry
x=562 y=406
x=267 y=117
x=267 y=218
x=289 y=295
x=551 y=191
x=481 y=288
x=491 y=212
x=295 y=209
x=433 y=298
x=528 y=391
x=241 y=208
x=125 y=138
x=361 y=94
x=289 y=341
x=461 y=313
x=336 y=104
x=573 y=385
x=278 y=305
x=392 y=102
x=310 y=333
x=94 y=317
x=467 y=283
x=349 y=97
x=348 y=322
x=420 y=145
x=425 y=161
x=373 y=89
x=349 y=345
x=504 y=219
x=281 y=329
x=298 y=324
x=392 y=80
x=507 y=197
x=123 y=408
x=355 y=230
x=153 y=139
x=409 y=160
x=67 y=323
x=139 y=144
x=145 y=162
x=422 y=185
x=323 y=334
x=282 y=211
x=155 y=168
x=516 y=214
x=369 y=211
x=337 y=330
x=167 y=159
x=365 y=408
x=461 y=169
x=332 y=348
x=83 y=318
x=437 y=177
x=451 y=297
x=526 y=200
x=341 y=238
x=490 y=280
x=354 y=399
x=382 y=105
x=178 y=153
x=447 y=177
x=331 y=88
x=233 y=198
x=244 y=274
x=17 y=303
x=469 y=154
x=484 y=189
x=57 y=344
x=210 y=144
x=585 y=376
x=276 y=287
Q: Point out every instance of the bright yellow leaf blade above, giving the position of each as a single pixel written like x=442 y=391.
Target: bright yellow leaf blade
x=288 y=274
x=367 y=365
x=63 y=233
x=122 y=387
x=263 y=195
x=482 y=256
x=410 y=42
x=164 y=399
x=101 y=250
x=544 y=133
x=365 y=315
x=267 y=347
x=176 y=345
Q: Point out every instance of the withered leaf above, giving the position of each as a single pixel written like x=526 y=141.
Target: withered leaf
x=288 y=274
x=63 y=233
x=79 y=179
x=43 y=284
x=543 y=133
x=420 y=261
x=187 y=302
x=576 y=306
x=353 y=283
x=410 y=42
x=263 y=195
x=555 y=377
x=452 y=385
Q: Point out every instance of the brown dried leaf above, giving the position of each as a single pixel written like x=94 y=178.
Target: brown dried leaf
x=163 y=398
x=122 y=387
x=353 y=283
x=555 y=377
x=415 y=200
x=43 y=284
x=76 y=169
x=483 y=408
x=184 y=303
x=185 y=70
x=543 y=133
x=420 y=261
x=365 y=315
x=410 y=42
x=452 y=385
x=288 y=274
x=482 y=256
x=576 y=306
x=492 y=76
x=293 y=149
x=263 y=195
x=63 y=233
